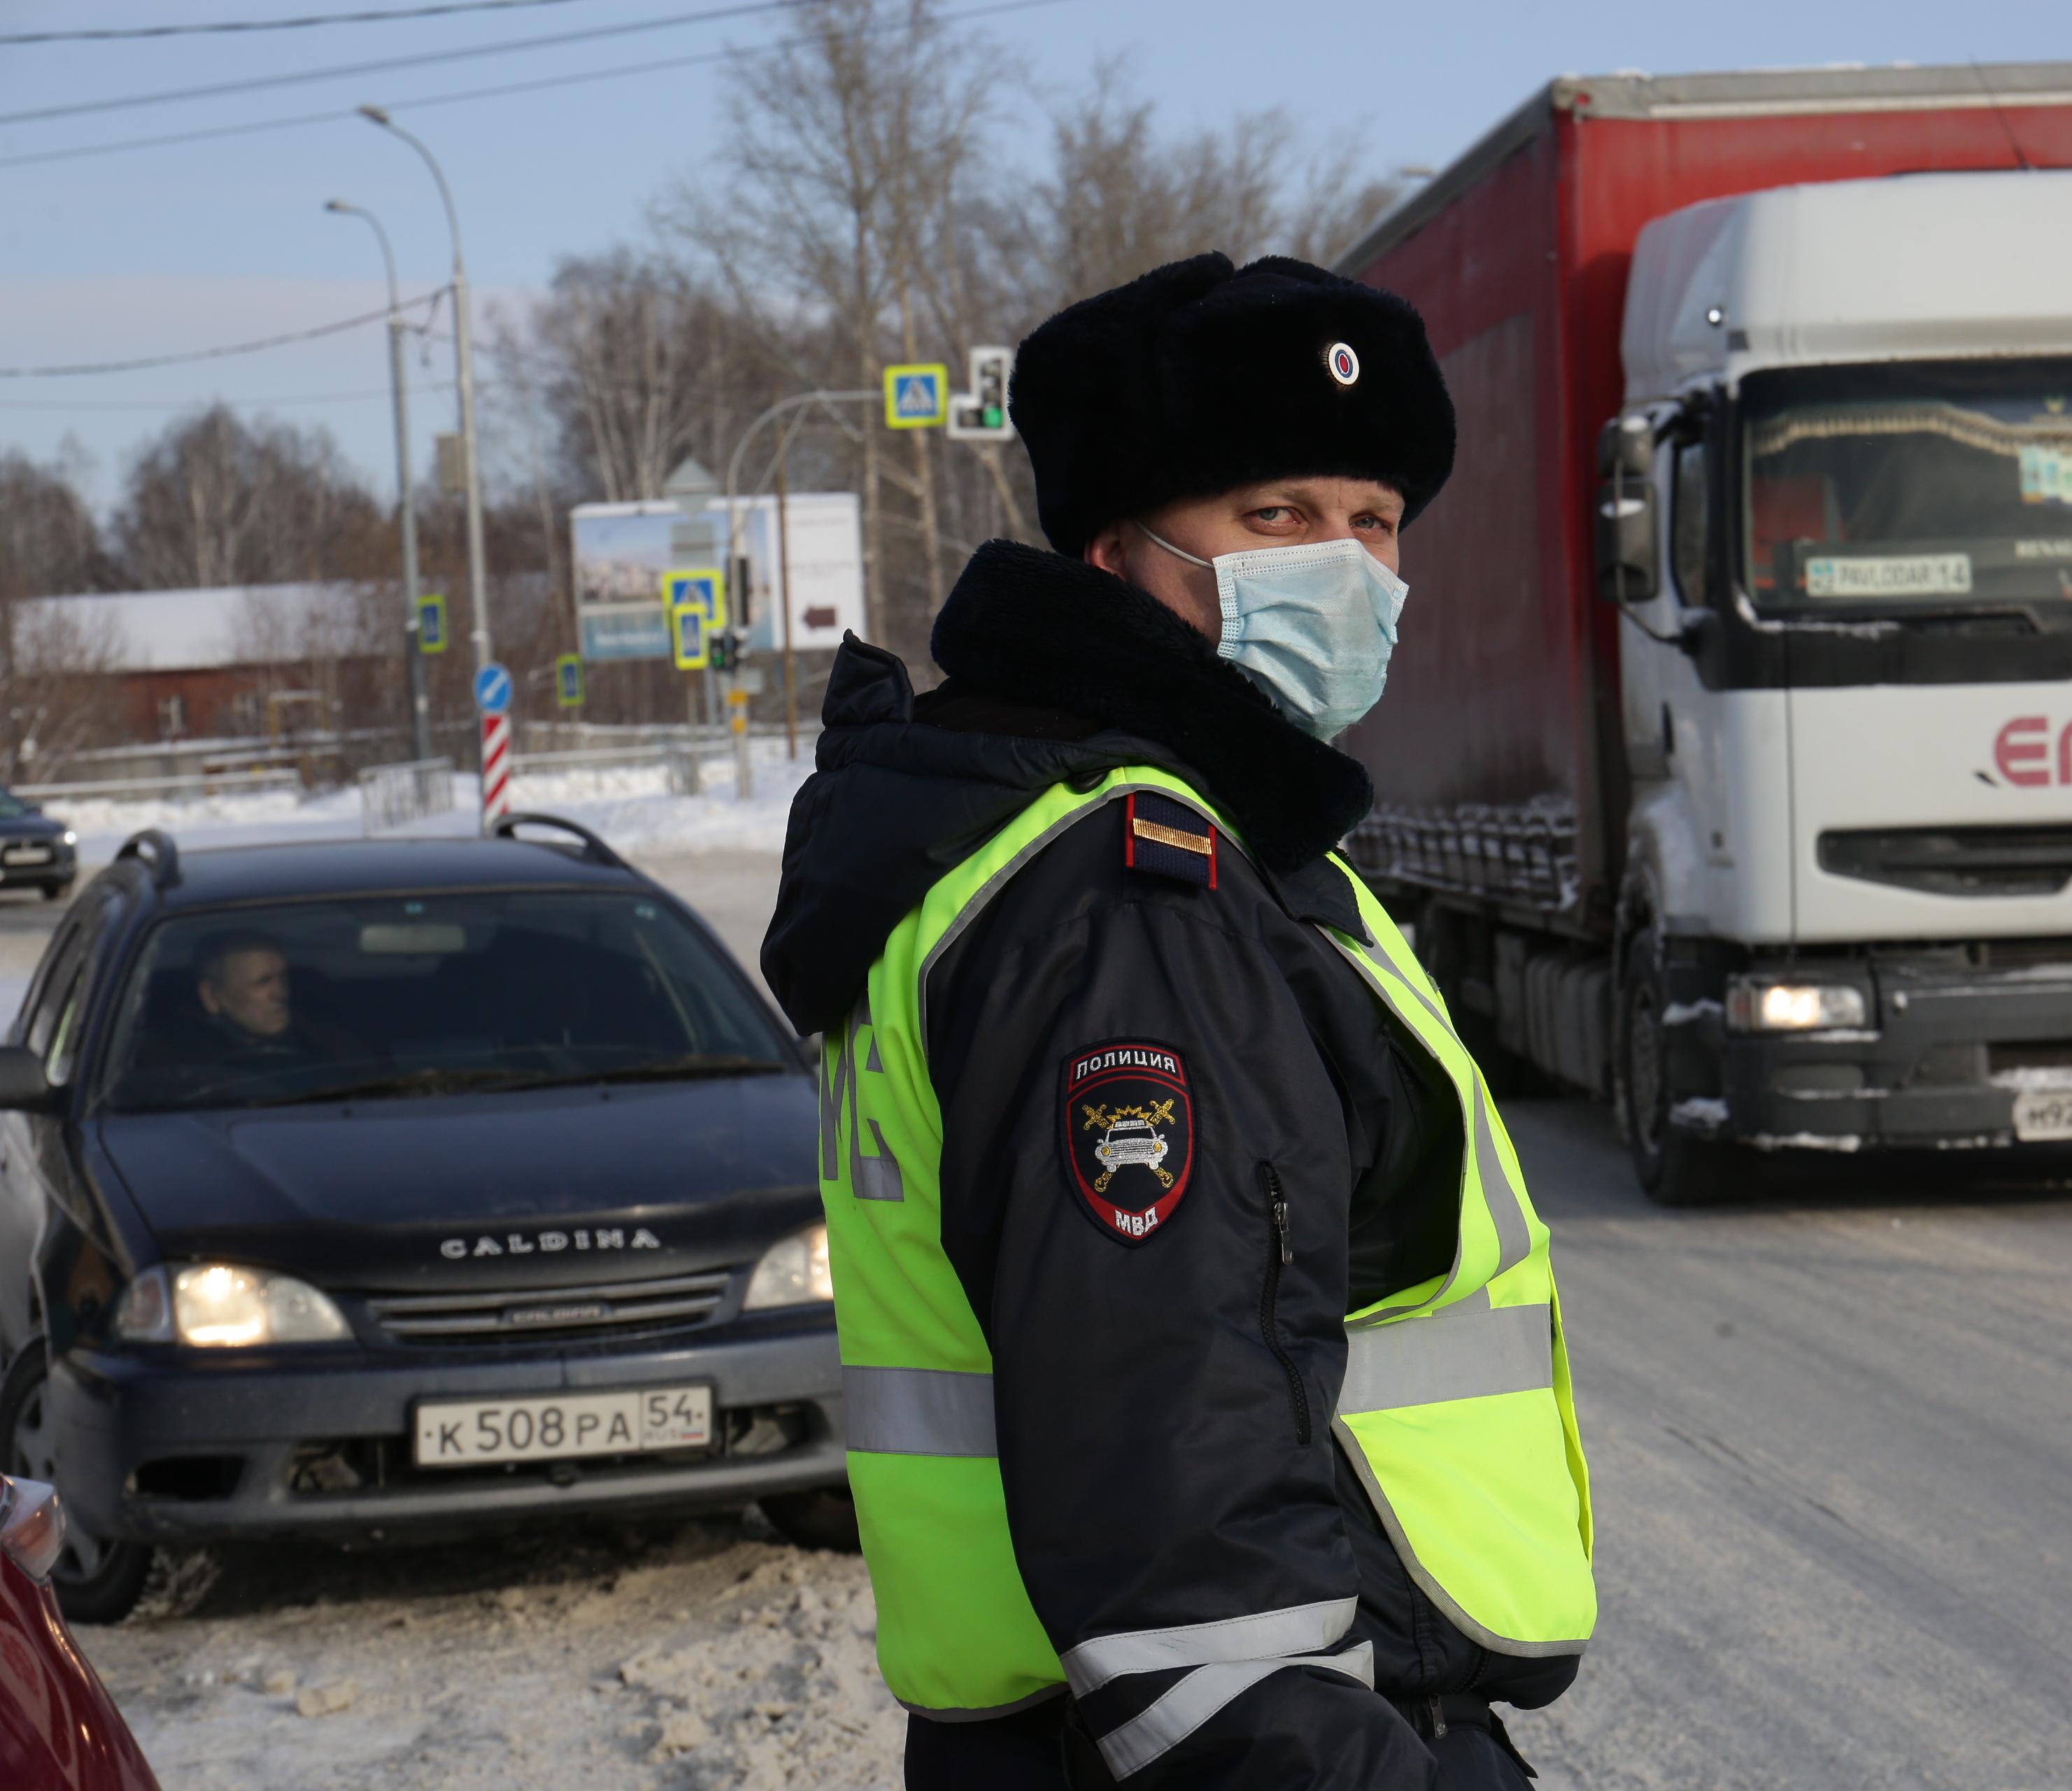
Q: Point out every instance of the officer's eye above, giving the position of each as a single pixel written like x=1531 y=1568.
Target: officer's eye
x=1274 y=514
x=1378 y=524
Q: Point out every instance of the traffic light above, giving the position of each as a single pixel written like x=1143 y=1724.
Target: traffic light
x=981 y=414
x=725 y=649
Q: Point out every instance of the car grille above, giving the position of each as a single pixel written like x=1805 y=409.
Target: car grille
x=615 y=1308
x=1955 y=861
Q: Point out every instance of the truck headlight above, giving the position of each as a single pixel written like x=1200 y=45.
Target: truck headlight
x=793 y=1273
x=1758 y=1004
x=220 y=1306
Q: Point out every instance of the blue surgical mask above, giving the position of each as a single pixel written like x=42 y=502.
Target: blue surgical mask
x=1311 y=625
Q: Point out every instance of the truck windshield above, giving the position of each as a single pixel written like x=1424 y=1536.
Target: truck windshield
x=399 y=996
x=1939 y=485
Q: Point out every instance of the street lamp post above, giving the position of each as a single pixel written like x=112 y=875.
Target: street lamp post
x=464 y=372
x=414 y=660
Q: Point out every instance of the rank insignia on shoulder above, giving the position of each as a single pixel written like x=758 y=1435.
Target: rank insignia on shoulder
x=1160 y=834
x=1129 y=1134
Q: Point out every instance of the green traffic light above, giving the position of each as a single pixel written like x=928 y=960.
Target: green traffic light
x=992 y=416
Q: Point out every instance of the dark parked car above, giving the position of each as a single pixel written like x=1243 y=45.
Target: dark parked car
x=59 y=1730
x=35 y=851
x=382 y=1186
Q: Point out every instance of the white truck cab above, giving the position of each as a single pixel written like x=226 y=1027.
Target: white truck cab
x=1838 y=519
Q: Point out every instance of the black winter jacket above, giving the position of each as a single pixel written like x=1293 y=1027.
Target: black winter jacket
x=1163 y=1403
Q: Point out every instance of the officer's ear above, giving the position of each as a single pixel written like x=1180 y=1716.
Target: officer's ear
x=1106 y=549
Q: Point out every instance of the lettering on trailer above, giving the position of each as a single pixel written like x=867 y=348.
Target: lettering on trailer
x=2022 y=752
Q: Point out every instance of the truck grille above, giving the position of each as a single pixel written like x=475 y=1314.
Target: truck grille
x=679 y=1302
x=1955 y=861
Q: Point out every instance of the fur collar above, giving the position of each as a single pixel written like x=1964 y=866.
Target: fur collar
x=1036 y=628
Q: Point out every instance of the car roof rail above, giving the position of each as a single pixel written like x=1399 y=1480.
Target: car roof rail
x=154 y=846
x=594 y=848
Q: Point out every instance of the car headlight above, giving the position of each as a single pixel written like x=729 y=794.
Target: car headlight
x=1757 y=1004
x=220 y=1306
x=792 y=1273
x=71 y=839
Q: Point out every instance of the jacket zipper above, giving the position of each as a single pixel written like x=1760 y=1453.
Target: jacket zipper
x=1279 y=1253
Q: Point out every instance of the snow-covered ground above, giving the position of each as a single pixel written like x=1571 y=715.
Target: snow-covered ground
x=683 y=1658
x=629 y=806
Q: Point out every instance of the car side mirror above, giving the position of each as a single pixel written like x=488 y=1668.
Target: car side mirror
x=1628 y=550
x=23 y=1086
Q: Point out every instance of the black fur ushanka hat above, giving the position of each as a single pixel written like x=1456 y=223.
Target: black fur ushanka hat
x=1200 y=376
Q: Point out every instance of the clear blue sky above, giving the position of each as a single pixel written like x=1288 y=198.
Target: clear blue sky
x=157 y=251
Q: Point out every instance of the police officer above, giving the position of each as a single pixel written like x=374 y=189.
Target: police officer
x=1208 y=1413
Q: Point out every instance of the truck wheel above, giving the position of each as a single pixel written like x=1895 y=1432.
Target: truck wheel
x=97 y=1581
x=1675 y=1168
x=824 y=1518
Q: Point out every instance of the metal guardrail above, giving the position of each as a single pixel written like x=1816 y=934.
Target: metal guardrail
x=680 y=761
x=197 y=784
x=394 y=796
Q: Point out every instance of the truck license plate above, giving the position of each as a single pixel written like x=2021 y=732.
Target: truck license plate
x=462 y=1433
x=2043 y=1114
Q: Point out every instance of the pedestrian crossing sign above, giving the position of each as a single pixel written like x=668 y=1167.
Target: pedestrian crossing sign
x=568 y=681
x=431 y=623
x=917 y=396
x=696 y=602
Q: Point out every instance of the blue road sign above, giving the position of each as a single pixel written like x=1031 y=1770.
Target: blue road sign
x=492 y=690
x=431 y=623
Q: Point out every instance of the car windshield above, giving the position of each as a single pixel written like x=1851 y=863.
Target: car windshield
x=391 y=997
x=11 y=807
x=1943 y=485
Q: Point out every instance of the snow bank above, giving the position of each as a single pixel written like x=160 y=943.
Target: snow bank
x=630 y=806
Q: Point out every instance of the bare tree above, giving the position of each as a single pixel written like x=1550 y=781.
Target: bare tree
x=216 y=501
x=844 y=148
x=56 y=695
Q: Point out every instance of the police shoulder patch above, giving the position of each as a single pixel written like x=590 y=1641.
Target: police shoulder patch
x=1129 y=1134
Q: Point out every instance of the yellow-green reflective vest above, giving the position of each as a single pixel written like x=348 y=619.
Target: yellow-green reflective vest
x=1456 y=1410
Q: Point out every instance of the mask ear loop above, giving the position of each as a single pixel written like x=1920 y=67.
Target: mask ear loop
x=1178 y=553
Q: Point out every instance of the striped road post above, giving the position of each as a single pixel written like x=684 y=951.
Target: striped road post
x=493 y=698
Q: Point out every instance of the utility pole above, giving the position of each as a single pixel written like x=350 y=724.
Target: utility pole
x=414 y=660
x=464 y=376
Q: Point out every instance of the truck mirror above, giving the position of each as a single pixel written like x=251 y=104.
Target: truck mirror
x=1627 y=445
x=1629 y=569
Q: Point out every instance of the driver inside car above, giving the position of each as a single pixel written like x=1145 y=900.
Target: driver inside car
x=243 y=985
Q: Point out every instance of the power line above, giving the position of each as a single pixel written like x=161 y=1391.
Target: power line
x=113 y=34
x=215 y=90
x=144 y=362
x=292 y=120
x=439 y=390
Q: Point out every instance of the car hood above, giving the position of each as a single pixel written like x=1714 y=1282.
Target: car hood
x=542 y=1189
x=30 y=827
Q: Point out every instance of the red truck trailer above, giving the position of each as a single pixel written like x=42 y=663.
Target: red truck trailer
x=1524 y=766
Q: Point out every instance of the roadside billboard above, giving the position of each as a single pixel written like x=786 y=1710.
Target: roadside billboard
x=620 y=553
x=824 y=531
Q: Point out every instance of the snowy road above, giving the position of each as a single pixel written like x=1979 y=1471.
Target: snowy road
x=1831 y=1434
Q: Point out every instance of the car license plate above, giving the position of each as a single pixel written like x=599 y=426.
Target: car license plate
x=26 y=854
x=463 y=1433
x=2043 y=1114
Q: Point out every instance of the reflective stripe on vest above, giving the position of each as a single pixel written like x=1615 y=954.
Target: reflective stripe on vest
x=1455 y=1410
